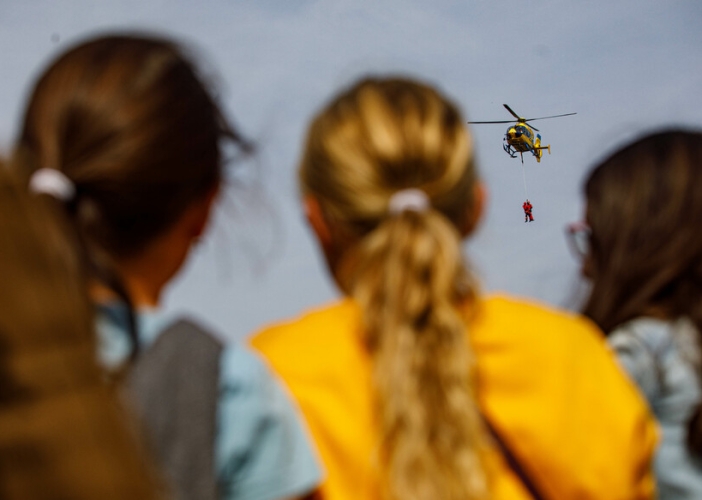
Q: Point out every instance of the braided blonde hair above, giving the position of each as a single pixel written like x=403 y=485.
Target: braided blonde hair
x=406 y=272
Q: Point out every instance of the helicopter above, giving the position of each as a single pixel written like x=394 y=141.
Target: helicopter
x=520 y=137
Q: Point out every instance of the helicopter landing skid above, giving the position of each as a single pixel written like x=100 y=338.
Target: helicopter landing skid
x=508 y=149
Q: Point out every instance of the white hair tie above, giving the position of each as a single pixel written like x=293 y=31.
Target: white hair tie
x=408 y=199
x=52 y=182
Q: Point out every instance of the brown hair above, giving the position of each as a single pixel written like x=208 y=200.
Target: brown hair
x=644 y=206
x=62 y=434
x=128 y=120
x=407 y=273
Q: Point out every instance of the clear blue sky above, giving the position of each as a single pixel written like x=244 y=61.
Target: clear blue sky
x=625 y=67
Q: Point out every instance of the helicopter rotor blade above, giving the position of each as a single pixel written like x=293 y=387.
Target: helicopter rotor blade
x=502 y=121
x=545 y=117
x=534 y=128
x=519 y=118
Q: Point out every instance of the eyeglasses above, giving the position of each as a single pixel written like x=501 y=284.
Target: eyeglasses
x=578 y=235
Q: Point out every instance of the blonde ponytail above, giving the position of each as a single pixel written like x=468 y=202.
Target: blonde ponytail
x=409 y=280
x=406 y=272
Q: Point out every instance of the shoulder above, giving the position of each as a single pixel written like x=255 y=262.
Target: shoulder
x=525 y=334
x=553 y=354
x=318 y=329
x=321 y=348
x=250 y=394
x=517 y=319
x=642 y=345
x=536 y=362
x=243 y=370
x=319 y=316
x=518 y=306
x=645 y=334
x=661 y=356
x=262 y=448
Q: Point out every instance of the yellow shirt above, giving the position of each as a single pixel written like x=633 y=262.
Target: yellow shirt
x=546 y=381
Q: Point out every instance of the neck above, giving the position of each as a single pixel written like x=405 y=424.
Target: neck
x=146 y=273
x=143 y=275
x=143 y=293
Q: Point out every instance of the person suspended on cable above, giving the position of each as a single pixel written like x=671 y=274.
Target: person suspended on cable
x=527 y=206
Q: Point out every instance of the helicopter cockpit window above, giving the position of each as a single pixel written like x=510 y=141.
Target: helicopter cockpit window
x=520 y=130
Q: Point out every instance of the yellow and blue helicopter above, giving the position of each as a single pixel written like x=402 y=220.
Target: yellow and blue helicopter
x=520 y=137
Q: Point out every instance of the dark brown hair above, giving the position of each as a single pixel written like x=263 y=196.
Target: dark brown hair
x=644 y=206
x=62 y=433
x=128 y=120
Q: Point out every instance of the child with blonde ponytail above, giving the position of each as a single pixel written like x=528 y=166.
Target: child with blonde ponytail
x=414 y=386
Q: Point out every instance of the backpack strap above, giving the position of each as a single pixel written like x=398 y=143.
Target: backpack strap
x=174 y=387
x=513 y=462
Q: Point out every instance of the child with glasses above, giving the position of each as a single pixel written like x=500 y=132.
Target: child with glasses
x=642 y=248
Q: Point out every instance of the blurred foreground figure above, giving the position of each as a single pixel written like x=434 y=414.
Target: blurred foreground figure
x=415 y=386
x=124 y=135
x=62 y=433
x=644 y=257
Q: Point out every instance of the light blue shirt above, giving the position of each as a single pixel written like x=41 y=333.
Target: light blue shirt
x=661 y=357
x=262 y=450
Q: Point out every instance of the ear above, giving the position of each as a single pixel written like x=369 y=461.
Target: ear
x=199 y=213
x=325 y=235
x=474 y=212
x=316 y=219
